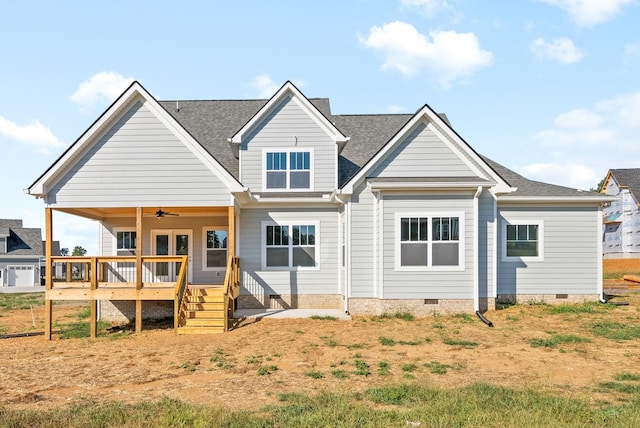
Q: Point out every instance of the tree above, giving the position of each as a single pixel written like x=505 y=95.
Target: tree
x=78 y=251
x=64 y=251
x=598 y=187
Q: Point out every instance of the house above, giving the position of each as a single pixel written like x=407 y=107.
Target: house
x=20 y=254
x=622 y=216
x=301 y=208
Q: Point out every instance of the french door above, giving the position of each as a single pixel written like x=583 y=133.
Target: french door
x=178 y=242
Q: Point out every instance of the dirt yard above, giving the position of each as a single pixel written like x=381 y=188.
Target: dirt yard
x=249 y=366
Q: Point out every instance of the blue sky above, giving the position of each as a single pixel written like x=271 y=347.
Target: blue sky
x=549 y=88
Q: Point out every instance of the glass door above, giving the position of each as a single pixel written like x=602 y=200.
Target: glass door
x=171 y=243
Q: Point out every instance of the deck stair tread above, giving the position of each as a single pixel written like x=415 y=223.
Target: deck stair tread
x=205 y=311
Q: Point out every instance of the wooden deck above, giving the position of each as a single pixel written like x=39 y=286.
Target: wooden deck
x=141 y=279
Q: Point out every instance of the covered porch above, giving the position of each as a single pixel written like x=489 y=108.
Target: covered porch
x=144 y=275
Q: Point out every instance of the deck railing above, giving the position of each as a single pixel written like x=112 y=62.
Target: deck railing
x=118 y=272
x=231 y=288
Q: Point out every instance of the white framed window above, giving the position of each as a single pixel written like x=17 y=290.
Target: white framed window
x=214 y=248
x=286 y=169
x=290 y=246
x=429 y=241
x=522 y=240
x=126 y=242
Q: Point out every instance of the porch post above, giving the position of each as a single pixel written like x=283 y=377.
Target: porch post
x=231 y=235
x=48 y=279
x=138 y=268
x=93 y=304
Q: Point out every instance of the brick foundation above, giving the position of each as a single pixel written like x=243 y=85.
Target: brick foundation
x=417 y=307
x=551 y=299
x=288 y=301
x=125 y=310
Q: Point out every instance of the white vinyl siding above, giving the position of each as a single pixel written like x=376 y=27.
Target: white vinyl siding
x=260 y=282
x=423 y=154
x=288 y=128
x=487 y=244
x=138 y=161
x=571 y=255
x=361 y=252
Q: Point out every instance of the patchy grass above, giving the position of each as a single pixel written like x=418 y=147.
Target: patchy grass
x=314 y=374
x=557 y=339
x=615 y=330
x=412 y=405
x=267 y=370
x=362 y=368
x=581 y=308
x=20 y=301
x=463 y=343
x=324 y=318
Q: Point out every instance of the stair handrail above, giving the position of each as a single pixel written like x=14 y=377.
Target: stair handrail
x=179 y=309
x=231 y=288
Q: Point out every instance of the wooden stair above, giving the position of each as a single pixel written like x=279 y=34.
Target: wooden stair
x=204 y=311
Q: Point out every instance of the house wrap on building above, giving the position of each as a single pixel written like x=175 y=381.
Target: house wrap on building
x=622 y=216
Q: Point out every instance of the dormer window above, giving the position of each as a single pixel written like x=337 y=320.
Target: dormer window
x=287 y=170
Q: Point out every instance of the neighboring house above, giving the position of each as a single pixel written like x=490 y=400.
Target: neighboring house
x=622 y=216
x=20 y=254
x=367 y=213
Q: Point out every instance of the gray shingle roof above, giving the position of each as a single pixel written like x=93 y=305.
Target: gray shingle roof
x=212 y=122
x=368 y=134
x=629 y=177
x=526 y=187
x=22 y=241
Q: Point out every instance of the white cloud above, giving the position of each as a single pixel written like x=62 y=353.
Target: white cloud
x=34 y=134
x=428 y=7
x=103 y=87
x=584 y=143
x=570 y=175
x=265 y=86
x=590 y=12
x=562 y=50
x=450 y=56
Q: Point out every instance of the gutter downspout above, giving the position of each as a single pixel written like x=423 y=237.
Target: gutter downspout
x=476 y=257
x=600 y=250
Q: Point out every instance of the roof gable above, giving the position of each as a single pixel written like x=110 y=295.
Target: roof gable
x=290 y=90
x=429 y=119
x=624 y=178
x=134 y=94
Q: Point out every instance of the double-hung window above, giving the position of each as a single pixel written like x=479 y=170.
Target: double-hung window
x=126 y=243
x=288 y=170
x=290 y=246
x=215 y=249
x=427 y=241
x=522 y=240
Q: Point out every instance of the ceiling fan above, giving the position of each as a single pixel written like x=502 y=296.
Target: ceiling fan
x=161 y=214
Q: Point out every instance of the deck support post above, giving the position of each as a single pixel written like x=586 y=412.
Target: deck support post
x=48 y=279
x=138 y=267
x=231 y=235
x=231 y=249
x=92 y=270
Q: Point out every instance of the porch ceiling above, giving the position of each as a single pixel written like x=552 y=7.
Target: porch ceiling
x=102 y=213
